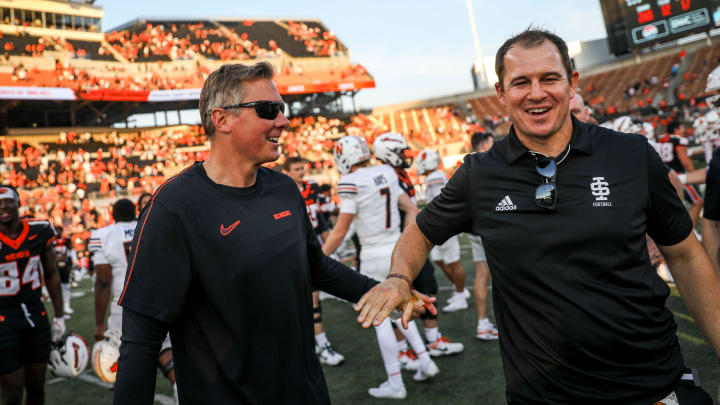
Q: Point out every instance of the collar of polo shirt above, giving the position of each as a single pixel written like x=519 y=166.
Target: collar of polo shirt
x=581 y=141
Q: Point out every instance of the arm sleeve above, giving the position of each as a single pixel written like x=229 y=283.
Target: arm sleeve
x=668 y=222
x=332 y=276
x=159 y=272
x=348 y=192
x=141 y=340
x=95 y=245
x=711 y=208
x=449 y=213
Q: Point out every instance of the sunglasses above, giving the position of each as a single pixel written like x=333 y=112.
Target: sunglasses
x=265 y=109
x=546 y=193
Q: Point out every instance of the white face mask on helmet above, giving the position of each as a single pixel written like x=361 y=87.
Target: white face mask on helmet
x=713 y=85
x=105 y=355
x=70 y=356
x=427 y=161
x=349 y=151
x=390 y=148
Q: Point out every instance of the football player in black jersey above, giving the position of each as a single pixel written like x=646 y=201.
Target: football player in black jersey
x=295 y=168
x=25 y=333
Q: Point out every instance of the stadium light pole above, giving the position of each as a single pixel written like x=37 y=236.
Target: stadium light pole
x=476 y=40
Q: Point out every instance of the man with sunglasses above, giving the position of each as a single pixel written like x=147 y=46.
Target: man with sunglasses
x=562 y=208
x=225 y=258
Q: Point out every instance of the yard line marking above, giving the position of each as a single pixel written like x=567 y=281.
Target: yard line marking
x=692 y=339
x=55 y=380
x=164 y=399
x=683 y=316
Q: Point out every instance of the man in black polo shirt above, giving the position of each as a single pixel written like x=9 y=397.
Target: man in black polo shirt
x=225 y=258
x=562 y=208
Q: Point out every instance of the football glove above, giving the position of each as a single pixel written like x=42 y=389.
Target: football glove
x=58 y=329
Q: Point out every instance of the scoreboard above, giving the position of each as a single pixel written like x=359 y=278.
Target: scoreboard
x=647 y=22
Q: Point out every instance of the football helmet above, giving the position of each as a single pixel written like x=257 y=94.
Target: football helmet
x=69 y=356
x=427 y=161
x=390 y=148
x=648 y=130
x=105 y=355
x=349 y=151
x=713 y=85
x=623 y=124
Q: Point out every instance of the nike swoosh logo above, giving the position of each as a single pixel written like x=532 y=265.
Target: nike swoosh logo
x=32 y=237
x=226 y=231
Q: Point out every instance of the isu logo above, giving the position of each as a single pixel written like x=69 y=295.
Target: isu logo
x=601 y=191
x=226 y=231
x=281 y=215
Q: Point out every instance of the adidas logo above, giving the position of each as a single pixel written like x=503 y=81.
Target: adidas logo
x=506 y=205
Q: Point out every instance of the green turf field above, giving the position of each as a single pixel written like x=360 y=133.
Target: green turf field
x=473 y=377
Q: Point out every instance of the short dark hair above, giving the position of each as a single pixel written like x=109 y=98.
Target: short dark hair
x=123 y=210
x=479 y=138
x=673 y=126
x=291 y=161
x=531 y=38
x=225 y=86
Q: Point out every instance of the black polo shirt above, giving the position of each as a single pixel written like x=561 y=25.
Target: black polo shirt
x=711 y=205
x=579 y=307
x=232 y=271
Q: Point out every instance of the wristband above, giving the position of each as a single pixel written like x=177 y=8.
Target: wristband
x=401 y=277
x=682 y=177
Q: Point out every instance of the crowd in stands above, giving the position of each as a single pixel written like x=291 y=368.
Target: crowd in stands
x=58 y=179
x=317 y=41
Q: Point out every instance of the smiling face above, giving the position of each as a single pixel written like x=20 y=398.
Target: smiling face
x=253 y=138
x=536 y=90
x=9 y=211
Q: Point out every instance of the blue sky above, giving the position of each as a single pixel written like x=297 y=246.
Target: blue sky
x=414 y=49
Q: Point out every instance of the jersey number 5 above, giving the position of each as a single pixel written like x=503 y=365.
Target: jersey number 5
x=10 y=282
x=386 y=192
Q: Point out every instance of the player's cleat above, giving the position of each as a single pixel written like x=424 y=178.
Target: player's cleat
x=487 y=331
x=443 y=347
x=430 y=370
x=465 y=292
x=386 y=390
x=458 y=303
x=67 y=309
x=329 y=356
x=408 y=360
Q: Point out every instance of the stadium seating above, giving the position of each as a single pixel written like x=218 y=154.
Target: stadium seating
x=704 y=61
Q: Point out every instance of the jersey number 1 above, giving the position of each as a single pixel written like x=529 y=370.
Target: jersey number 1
x=386 y=192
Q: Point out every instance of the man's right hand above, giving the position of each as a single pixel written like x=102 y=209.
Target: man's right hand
x=382 y=299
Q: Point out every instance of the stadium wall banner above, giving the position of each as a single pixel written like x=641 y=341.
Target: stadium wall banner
x=324 y=87
x=36 y=93
x=174 y=95
x=115 y=95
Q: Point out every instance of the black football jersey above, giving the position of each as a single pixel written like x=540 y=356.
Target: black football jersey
x=669 y=154
x=20 y=262
x=311 y=194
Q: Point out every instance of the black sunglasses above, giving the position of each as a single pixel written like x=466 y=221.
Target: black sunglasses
x=546 y=193
x=265 y=109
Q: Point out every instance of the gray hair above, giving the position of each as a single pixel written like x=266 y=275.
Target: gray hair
x=225 y=86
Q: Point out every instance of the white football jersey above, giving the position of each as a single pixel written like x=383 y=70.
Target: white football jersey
x=111 y=245
x=371 y=193
x=434 y=183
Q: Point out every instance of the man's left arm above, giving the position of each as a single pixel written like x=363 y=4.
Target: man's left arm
x=330 y=275
x=698 y=283
x=52 y=282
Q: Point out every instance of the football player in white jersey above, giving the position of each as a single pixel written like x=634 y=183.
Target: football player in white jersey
x=370 y=199
x=482 y=142
x=110 y=247
x=391 y=148
x=447 y=255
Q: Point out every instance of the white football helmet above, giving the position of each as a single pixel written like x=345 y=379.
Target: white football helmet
x=390 y=148
x=427 y=161
x=648 y=130
x=349 y=151
x=623 y=124
x=69 y=357
x=105 y=355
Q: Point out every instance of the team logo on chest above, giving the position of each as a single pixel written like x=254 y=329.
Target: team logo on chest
x=600 y=190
